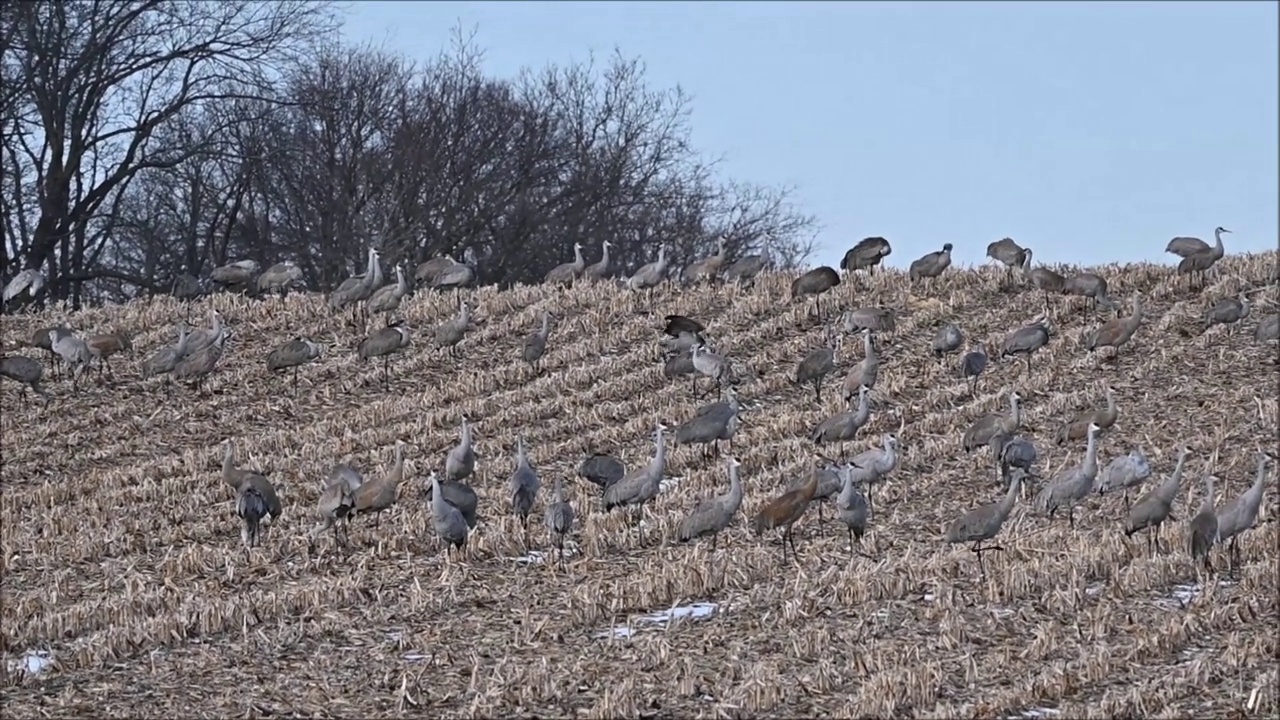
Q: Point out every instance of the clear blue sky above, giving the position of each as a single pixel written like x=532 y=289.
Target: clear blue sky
x=1091 y=132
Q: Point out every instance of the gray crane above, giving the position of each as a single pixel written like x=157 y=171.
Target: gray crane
x=237 y=275
x=829 y=482
x=866 y=254
x=877 y=319
x=380 y=494
x=818 y=364
x=196 y=365
x=458 y=494
x=1013 y=451
x=683 y=342
x=1204 y=526
x=535 y=344
x=166 y=358
x=599 y=270
x=1116 y=332
x=843 y=426
x=678 y=325
x=447 y=520
x=815 y=282
x=26 y=371
x=523 y=487
x=185 y=289
x=460 y=462
x=74 y=353
x=680 y=365
x=279 y=278
x=451 y=332
x=745 y=269
x=706 y=268
x=559 y=516
x=386 y=299
x=712 y=423
x=1153 y=508
x=1185 y=247
x=1268 y=328
x=649 y=276
x=255 y=499
x=874 y=465
x=427 y=273
x=710 y=364
x=1073 y=484
x=232 y=476
x=984 y=522
x=447 y=273
x=384 y=343
x=981 y=432
x=947 y=340
x=640 y=485
x=866 y=371
x=566 y=273
x=1077 y=428
x=972 y=366
x=1025 y=341
x=293 y=354
x=1241 y=512
x=203 y=337
x=355 y=289
x=714 y=514
x=1042 y=278
x=1226 y=311
x=29 y=282
x=931 y=265
x=43 y=338
x=1090 y=286
x=337 y=500
x=602 y=470
x=853 y=510
x=1009 y=253
x=1124 y=473
x=103 y=345
x=1196 y=264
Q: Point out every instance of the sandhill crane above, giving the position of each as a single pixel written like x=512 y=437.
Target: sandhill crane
x=1241 y=512
x=1153 y=508
x=818 y=364
x=948 y=339
x=522 y=489
x=26 y=371
x=292 y=354
x=279 y=278
x=451 y=332
x=357 y=288
x=566 y=273
x=712 y=423
x=1091 y=287
x=866 y=371
x=1073 y=484
x=1268 y=328
x=1013 y=451
x=166 y=358
x=710 y=364
x=336 y=502
x=714 y=514
x=460 y=495
x=1078 y=428
x=1042 y=278
x=29 y=282
x=679 y=365
x=1198 y=263
x=535 y=344
x=1204 y=532
x=602 y=470
x=1008 y=253
x=1026 y=340
x=745 y=269
x=74 y=353
x=233 y=477
x=203 y=337
x=1116 y=332
x=1124 y=473
x=239 y=274
x=380 y=494
x=255 y=499
x=650 y=275
x=384 y=343
x=640 y=485
x=981 y=432
x=186 y=287
x=852 y=510
x=43 y=338
x=678 y=324
x=599 y=270
x=558 y=516
x=1185 y=247
x=387 y=299
x=706 y=268
x=829 y=482
x=866 y=254
x=874 y=465
x=103 y=345
x=443 y=273
x=972 y=366
x=880 y=320
x=427 y=272
x=447 y=520
x=684 y=342
x=930 y=265
x=843 y=426
x=815 y=282
x=984 y=522
x=784 y=511
x=460 y=462
x=1226 y=312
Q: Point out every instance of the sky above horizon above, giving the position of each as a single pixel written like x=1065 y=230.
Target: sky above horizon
x=1090 y=132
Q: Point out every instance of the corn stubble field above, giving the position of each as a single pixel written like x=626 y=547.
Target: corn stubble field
x=122 y=555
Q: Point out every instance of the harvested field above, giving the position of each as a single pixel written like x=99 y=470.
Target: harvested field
x=122 y=557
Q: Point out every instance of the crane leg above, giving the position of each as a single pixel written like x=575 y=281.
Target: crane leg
x=386 y=377
x=817 y=390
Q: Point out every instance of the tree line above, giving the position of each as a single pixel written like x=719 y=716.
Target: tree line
x=150 y=138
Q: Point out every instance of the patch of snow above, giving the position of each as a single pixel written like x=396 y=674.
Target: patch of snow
x=694 y=611
x=1182 y=595
x=1094 y=590
x=32 y=662
x=415 y=657
x=929 y=597
x=666 y=484
x=533 y=557
x=1034 y=714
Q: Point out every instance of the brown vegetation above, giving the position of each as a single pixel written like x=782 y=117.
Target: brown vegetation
x=120 y=551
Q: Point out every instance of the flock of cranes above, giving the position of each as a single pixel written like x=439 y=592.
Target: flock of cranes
x=346 y=493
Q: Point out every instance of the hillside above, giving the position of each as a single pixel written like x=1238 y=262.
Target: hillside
x=122 y=556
